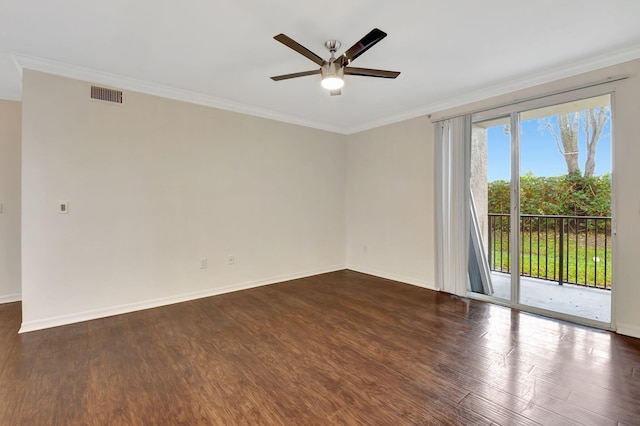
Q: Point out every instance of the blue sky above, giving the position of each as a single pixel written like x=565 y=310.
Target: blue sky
x=538 y=151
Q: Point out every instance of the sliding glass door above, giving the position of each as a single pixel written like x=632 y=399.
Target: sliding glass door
x=541 y=221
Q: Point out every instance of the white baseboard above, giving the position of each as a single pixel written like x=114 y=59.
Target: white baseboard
x=628 y=330
x=406 y=280
x=9 y=298
x=155 y=303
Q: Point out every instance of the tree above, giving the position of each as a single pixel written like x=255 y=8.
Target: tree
x=593 y=120
x=596 y=119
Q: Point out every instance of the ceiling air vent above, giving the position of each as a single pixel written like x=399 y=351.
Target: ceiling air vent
x=107 y=95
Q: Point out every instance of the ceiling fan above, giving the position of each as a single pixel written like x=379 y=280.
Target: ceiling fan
x=334 y=69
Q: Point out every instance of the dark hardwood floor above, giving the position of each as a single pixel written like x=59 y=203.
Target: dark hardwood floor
x=340 y=348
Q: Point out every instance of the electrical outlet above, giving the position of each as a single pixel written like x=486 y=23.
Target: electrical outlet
x=203 y=263
x=63 y=207
x=231 y=260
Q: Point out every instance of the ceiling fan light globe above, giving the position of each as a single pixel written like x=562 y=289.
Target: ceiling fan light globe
x=332 y=83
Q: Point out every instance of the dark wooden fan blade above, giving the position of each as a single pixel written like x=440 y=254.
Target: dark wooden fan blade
x=366 y=43
x=291 y=43
x=368 y=72
x=294 y=75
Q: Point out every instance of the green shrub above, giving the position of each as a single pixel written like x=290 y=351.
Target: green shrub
x=567 y=195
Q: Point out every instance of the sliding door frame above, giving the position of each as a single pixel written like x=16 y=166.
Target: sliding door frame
x=513 y=112
x=514 y=261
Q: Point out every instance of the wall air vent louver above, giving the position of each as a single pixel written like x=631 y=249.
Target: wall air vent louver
x=107 y=95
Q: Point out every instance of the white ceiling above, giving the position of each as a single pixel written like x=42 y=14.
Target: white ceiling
x=222 y=52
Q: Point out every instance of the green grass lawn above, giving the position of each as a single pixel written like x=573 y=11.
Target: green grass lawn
x=540 y=257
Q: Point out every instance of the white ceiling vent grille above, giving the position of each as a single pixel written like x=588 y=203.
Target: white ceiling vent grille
x=107 y=95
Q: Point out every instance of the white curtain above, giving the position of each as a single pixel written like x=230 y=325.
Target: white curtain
x=453 y=152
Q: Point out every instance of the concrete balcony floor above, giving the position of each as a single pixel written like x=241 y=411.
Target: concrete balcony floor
x=591 y=303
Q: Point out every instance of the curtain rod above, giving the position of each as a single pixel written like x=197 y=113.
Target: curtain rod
x=533 y=98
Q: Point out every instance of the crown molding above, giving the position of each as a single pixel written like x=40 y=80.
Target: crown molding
x=118 y=81
x=615 y=57
x=10 y=95
x=99 y=77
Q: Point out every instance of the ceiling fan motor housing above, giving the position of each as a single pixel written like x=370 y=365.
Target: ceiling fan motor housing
x=332 y=46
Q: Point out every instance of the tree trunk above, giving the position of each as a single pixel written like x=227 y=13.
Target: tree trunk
x=568 y=124
x=594 y=122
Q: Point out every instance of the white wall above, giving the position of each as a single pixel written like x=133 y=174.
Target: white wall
x=626 y=176
x=390 y=202
x=10 y=128
x=156 y=185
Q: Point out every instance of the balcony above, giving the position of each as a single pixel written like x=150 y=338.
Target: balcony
x=580 y=301
x=565 y=263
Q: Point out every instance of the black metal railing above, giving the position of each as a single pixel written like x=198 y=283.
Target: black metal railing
x=564 y=249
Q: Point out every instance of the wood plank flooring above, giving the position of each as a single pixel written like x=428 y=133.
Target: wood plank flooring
x=342 y=348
